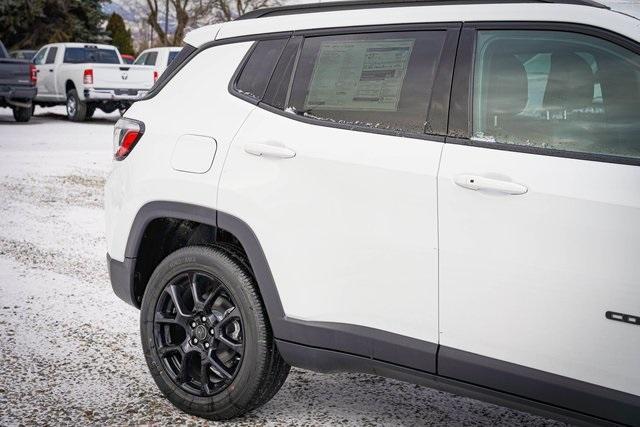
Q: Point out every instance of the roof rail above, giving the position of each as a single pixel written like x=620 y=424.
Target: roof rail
x=368 y=4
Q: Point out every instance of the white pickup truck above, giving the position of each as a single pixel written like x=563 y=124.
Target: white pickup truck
x=86 y=77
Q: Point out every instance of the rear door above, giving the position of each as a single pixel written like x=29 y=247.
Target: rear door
x=48 y=74
x=336 y=175
x=539 y=210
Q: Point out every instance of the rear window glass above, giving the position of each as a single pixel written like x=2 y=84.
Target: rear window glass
x=83 y=55
x=151 y=58
x=51 y=56
x=255 y=74
x=172 y=56
x=380 y=80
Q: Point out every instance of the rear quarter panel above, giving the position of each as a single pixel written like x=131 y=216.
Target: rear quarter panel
x=195 y=102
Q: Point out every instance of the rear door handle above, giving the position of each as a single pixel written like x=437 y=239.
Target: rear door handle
x=269 y=150
x=476 y=182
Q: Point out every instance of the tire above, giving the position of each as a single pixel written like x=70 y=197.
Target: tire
x=91 y=109
x=76 y=109
x=22 y=114
x=243 y=342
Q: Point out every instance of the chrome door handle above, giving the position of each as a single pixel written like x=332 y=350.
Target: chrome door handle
x=476 y=182
x=269 y=150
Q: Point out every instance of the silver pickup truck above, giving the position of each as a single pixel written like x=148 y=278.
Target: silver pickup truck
x=85 y=77
x=17 y=85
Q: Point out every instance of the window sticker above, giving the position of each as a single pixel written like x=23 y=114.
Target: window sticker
x=359 y=75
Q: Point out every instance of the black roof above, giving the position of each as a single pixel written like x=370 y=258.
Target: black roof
x=368 y=4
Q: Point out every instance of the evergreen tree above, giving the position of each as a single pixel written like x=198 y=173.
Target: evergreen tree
x=120 y=36
x=30 y=24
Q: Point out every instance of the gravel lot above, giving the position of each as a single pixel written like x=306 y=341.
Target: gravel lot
x=69 y=349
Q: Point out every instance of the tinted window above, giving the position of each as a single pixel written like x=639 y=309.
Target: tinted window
x=278 y=89
x=51 y=56
x=557 y=90
x=151 y=58
x=381 y=80
x=172 y=56
x=39 y=58
x=257 y=70
x=83 y=55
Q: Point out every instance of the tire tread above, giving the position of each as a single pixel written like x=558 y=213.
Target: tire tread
x=269 y=368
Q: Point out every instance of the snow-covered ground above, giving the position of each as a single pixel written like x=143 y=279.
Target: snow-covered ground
x=69 y=349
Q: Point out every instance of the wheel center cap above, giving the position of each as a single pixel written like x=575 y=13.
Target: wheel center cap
x=201 y=332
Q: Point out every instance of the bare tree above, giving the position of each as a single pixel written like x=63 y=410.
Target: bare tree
x=186 y=14
x=227 y=10
x=152 y=19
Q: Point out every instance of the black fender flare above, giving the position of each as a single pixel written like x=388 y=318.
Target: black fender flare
x=353 y=339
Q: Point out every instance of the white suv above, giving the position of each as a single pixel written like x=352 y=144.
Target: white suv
x=441 y=192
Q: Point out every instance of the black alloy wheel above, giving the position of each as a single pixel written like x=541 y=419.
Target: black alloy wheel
x=206 y=335
x=199 y=334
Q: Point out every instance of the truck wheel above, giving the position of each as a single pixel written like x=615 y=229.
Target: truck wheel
x=76 y=109
x=22 y=114
x=91 y=108
x=206 y=336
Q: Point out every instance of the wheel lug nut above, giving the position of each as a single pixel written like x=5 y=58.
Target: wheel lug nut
x=193 y=324
x=212 y=331
x=195 y=340
x=206 y=345
x=204 y=319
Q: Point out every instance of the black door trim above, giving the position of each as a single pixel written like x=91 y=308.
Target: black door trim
x=327 y=361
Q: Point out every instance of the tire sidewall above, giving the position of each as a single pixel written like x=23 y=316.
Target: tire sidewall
x=22 y=114
x=81 y=107
x=91 y=109
x=242 y=388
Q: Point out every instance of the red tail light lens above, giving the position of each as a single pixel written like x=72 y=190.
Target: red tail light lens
x=126 y=135
x=33 y=73
x=88 y=77
x=155 y=76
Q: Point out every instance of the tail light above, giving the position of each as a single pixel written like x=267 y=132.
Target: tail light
x=88 y=77
x=126 y=135
x=155 y=76
x=33 y=74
